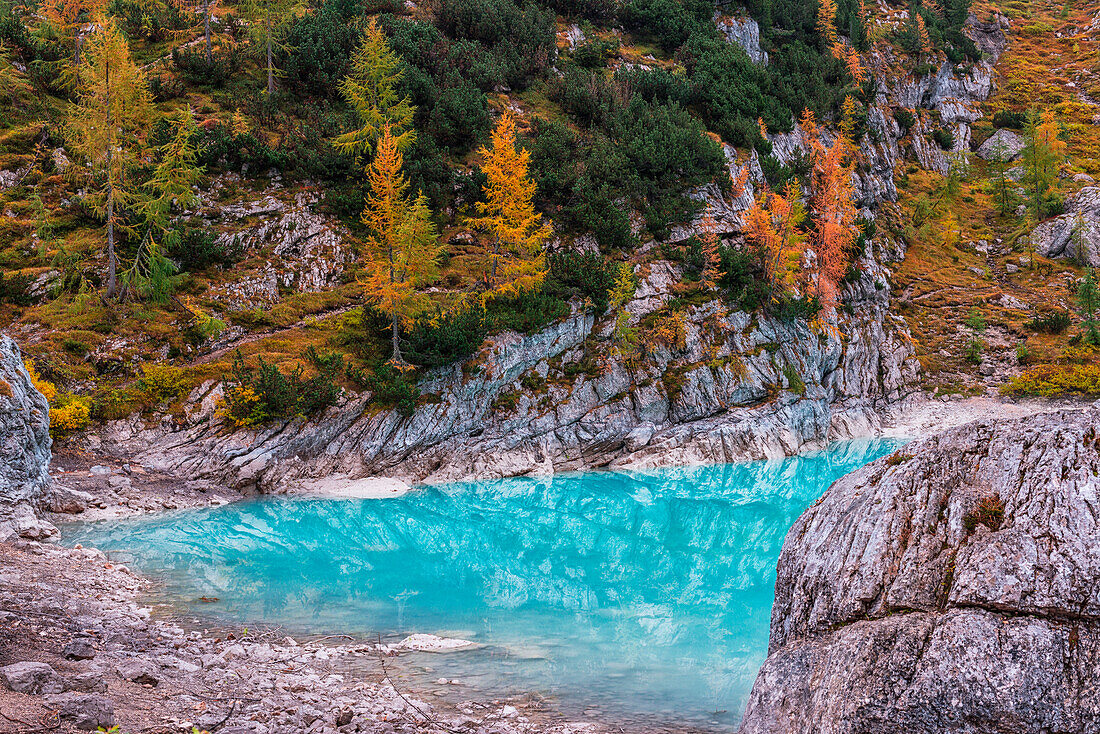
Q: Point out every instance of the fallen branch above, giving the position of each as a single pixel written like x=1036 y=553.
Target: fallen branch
x=386 y=677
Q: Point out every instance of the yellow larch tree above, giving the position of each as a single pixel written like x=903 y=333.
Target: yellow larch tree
x=774 y=224
x=512 y=255
x=107 y=127
x=267 y=23
x=371 y=88
x=67 y=16
x=1042 y=157
x=826 y=22
x=403 y=246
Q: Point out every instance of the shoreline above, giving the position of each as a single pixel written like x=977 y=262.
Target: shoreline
x=52 y=597
x=77 y=639
x=100 y=488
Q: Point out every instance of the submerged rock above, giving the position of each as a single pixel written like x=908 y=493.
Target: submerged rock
x=951 y=587
x=421 y=642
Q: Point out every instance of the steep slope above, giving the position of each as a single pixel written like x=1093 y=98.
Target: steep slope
x=737 y=387
x=734 y=385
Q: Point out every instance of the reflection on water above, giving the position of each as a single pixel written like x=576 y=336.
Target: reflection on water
x=642 y=594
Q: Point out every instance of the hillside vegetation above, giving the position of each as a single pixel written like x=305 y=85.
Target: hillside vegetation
x=299 y=197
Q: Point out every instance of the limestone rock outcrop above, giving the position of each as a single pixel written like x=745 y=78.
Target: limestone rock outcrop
x=745 y=32
x=951 y=587
x=24 y=430
x=1003 y=144
x=25 y=447
x=1075 y=234
x=740 y=386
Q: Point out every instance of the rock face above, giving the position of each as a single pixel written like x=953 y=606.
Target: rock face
x=1075 y=234
x=739 y=386
x=307 y=249
x=745 y=32
x=24 y=433
x=952 y=587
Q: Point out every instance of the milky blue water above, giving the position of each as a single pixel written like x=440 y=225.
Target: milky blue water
x=645 y=596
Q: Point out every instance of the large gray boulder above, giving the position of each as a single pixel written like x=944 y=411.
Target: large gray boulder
x=31 y=677
x=83 y=710
x=904 y=602
x=24 y=433
x=745 y=32
x=1003 y=145
x=1076 y=234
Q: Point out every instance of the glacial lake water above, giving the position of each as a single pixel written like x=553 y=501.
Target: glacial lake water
x=644 y=596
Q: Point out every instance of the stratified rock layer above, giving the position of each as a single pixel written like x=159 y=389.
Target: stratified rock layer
x=24 y=431
x=738 y=387
x=898 y=610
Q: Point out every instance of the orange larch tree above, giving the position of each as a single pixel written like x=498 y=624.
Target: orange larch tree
x=826 y=21
x=776 y=222
x=512 y=256
x=403 y=246
x=834 y=216
x=708 y=238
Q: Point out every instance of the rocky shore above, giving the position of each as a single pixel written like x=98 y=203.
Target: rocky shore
x=79 y=651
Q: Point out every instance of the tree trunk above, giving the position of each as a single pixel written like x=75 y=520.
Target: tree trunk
x=112 y=264
x=270 y=63
x=206 y=27
x=493 y=264
x=396 y=358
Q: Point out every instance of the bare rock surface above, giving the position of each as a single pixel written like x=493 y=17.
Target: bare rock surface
x=745 y=32
x=25 y=447
x=150 y=672
x=1002 y=145
x=24 y=431
x=1075 y=234
x=738 y=387
x=951 y=587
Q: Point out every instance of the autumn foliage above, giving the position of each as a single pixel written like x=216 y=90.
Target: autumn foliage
x=403 y=248
x=371 y=89
x=511 y=250
x=788 y=230
x=107 y=126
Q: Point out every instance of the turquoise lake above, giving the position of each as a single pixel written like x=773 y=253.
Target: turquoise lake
x=644 y=596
